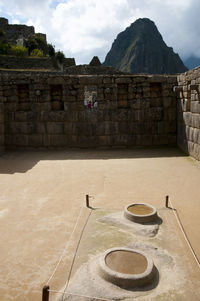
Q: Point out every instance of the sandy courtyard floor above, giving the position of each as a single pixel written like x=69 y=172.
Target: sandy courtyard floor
x=42 y=193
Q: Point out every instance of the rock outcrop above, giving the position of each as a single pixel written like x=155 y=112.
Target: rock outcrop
x=141 y=49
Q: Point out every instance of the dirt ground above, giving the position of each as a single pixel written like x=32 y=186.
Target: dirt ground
x=42 y=196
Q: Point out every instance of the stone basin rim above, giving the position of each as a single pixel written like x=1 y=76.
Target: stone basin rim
x=144 y=204
x=122 y=279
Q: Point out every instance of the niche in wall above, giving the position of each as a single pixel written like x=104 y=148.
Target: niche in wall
x=122 y=95
x=156 y=89
x=23 y=97
x=56 y=93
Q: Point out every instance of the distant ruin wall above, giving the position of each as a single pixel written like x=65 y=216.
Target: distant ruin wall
x=46 y=110
x=14 y=31
x=12 y=62
x=188 y=100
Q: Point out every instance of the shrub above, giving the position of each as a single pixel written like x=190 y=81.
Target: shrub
x=19 y=50
x=36 y=42
x=3 y=37
x=37 y=53
x=4 y=48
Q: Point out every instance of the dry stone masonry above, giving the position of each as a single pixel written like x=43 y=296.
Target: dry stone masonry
x=46 y=110
x=188 y=100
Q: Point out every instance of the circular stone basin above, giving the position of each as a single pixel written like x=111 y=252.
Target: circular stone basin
x=140 y=213
x=126 y=267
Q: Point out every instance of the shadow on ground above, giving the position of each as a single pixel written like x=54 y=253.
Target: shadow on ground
x=21 y=161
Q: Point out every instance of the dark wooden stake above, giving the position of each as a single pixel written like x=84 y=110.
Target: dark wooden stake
x=45 y=293
x=167 y=201
x=87 y=201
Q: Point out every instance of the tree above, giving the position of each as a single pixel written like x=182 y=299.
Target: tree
x=36 y=42
x=51 y=50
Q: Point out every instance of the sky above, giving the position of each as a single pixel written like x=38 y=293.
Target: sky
x=85 y=28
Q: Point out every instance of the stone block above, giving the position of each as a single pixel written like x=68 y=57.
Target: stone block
x=20 y=140
x=190 y=147
x=187 y=118
x=185 y=105
x=11 y=107
x=155 y=102
x=137 y=128
x=160 y=140
x=135 y=104
x=123 y=115
x=32 y=116
x=156 y=113
x=123 y=128
x=12 y=98
x=90 y=80
x=40 y=127
x=55 y=128
x=70 y=98
x=120 y=140
x=35 y=140
x=57 y=116
x=24 y=106
x=20 y=116
x=144 y=140
x=196 y=120
x=187 y=132
x=139 y=115
x=196 y=134
x=196 y=151
x=195 y=107
x=161 y=128
x=108 y=80
x=103 y=140
x=191 y=134
x=69 y=128
x=58 y=140
x=123 y=80
x=172 y=140
x=2 y=128
x=87 y=141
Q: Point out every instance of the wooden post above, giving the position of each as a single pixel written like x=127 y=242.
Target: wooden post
x=167 y=201
x=87 y=201
x=45 y=293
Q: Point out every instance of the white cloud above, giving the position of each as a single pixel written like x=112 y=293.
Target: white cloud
x=84 y=28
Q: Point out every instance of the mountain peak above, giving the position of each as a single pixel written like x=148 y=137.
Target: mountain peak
x=140 y=49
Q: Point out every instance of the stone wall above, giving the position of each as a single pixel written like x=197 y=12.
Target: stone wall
x=2 y=134
x=12 y=62
x=14 y=31
x=46 y=109
x=188 y=96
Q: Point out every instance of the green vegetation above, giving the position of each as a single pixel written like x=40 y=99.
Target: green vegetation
x=51 y=50
x=4 y=48
x=36 y=42
x=37 y=53
x=19 y=50
x=35 y=46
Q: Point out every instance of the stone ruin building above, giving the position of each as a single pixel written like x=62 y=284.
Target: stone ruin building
x=93 y=105
x=46 y=110
x=17 y=34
